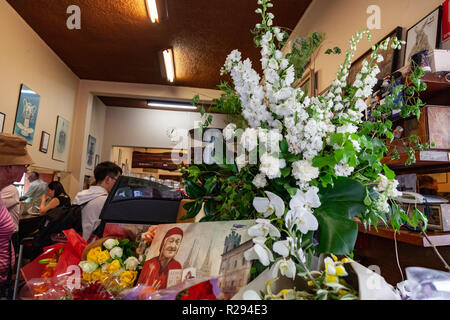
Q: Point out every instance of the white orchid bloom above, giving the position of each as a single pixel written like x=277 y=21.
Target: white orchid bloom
x=333 y=270
x=262 y=228
x=268 y=206
x=308 y=199
x=259 y=252
x=285 y=267
x=282 y=247
x=303 y=219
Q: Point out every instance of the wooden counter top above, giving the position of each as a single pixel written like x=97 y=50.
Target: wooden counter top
x=411 y=237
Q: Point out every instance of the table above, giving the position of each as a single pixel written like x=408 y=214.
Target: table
x=378 y=248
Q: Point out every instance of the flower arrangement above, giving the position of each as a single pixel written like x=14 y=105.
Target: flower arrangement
x=113 y=264
x=307 y=168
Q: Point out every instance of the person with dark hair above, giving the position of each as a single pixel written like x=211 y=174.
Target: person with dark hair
x=36 y=188
x=106 y=174
x=57 y=196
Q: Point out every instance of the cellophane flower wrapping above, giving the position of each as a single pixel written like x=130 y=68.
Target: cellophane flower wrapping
x=192 y=289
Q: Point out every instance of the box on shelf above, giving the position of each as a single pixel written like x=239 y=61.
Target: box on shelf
x=439 y=60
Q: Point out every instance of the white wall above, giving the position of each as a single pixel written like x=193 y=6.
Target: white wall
x=132 y=127
x=340 y=19
x=97 y=128
x=26 y=59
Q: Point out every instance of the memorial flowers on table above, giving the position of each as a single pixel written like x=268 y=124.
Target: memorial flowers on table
x=306 y=166
x=113 y=264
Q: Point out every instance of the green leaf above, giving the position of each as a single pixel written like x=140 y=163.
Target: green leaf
x=193 y=190
x=193 y=208
x=341 y=202
x=284 y=147
x=388 y=172
x=210 y=184
x=337 y=234
x=286 y=171
x=320 y=162
x=210 y=207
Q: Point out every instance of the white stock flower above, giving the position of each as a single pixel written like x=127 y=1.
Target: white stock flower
x=88 y=266
x=343 y=169
x=228 y=131
x=116 y=252
x=304 y=171
x=259 y=181
x=259 y=252
x=271 y=166
x=262 y=228
x=131 y=263
x=287 y=268
x=268 y=206
x=249 y=139
x=241 y=161
x=110 y=243
x=387 y=186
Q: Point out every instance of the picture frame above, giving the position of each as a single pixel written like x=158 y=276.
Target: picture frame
x=97 y=159
x=390 y=63
x=45 y=139
x=424 y=35
x=26 y=114
x=90 y=152
x=61 y=141
x=307 y=83
x=204 y=249
x=2 y=121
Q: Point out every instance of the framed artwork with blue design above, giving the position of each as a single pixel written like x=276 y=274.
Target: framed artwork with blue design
x=61 y=145
x=26 y=115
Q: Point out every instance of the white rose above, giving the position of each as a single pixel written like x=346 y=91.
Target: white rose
x=131 y=263
x=116 y=252
x=110 y=243
x=260 y=180
x=88 y=266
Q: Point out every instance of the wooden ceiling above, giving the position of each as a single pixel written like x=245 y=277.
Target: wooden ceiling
x=117 y=42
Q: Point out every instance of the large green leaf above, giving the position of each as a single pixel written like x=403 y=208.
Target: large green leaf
x=337 y=234
x=210 y=184
x=340 y=202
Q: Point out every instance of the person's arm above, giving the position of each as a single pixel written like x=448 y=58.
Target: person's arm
x=31 y=189
x=51 y=205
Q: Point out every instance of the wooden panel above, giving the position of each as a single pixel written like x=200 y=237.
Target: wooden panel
x=156 y=160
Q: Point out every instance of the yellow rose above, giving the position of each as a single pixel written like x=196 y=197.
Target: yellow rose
x=103 y=256
x=93 y=254
x=98 y=275
x=127 y=278
x=113 y=267
x=86 y=276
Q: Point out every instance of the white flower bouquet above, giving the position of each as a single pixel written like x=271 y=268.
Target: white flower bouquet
x=306 y=167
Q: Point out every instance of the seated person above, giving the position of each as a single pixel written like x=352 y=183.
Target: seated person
x=57 y=195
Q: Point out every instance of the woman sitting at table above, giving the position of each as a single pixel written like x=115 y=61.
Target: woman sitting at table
x=57 y=195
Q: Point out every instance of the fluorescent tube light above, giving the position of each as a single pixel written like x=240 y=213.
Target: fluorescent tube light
x=152 y=11
x=169 y=65
x=171 y=105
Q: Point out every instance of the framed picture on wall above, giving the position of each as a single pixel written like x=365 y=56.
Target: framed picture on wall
x=424 y=35
x=45 y=138
x=97 y=158
x=389 y=64
x=26 y=115
x=61 y=145
x=90 y=152
x=2 y=121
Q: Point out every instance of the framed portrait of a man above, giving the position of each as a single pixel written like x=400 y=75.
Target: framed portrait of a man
x=199 y=250
x=61 y=144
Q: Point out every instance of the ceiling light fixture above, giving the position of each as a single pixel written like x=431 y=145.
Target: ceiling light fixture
x=152 y=11
x=170 y=104
x=169 y=67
